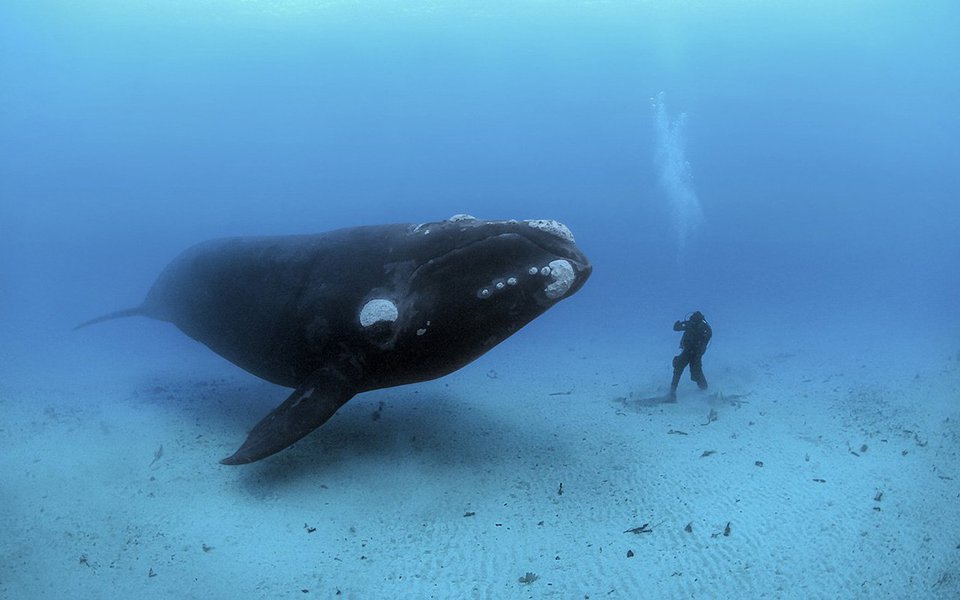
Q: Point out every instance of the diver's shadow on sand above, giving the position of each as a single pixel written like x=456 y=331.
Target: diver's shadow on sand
x=707 y=398
x=652 y=401
x=641 y=404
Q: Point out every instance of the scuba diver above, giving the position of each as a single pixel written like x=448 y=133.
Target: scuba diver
x=696 y=336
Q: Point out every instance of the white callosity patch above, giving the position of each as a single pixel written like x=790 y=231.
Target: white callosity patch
x=422 y=228
x=378 y=310
x=498 y=286
x=554 y=227
x=425 y=230
x=563 y=275
x=423 y=329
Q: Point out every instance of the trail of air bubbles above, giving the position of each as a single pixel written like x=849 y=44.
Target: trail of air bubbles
x=676 y=178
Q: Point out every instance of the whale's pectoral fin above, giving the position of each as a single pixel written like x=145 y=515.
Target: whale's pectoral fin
x=307 y=408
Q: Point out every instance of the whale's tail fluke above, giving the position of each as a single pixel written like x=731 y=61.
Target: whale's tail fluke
x=129 y=312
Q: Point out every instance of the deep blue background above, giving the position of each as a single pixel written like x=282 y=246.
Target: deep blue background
x=822 y=139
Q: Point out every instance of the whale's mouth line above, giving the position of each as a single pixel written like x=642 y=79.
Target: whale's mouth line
x=575 y=260
x=432 y=261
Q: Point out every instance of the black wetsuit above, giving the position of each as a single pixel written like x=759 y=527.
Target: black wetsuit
x=696 y=336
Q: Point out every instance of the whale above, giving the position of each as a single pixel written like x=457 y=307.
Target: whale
x=339 y=313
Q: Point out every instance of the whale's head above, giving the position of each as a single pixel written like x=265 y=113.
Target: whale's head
x=515 y=264
x=474 y=283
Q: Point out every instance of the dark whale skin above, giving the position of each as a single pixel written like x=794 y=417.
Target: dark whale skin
x=339 y=313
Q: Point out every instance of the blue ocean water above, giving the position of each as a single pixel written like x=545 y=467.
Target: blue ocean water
x=789 y=168
x=735 y=156
x=732 y=156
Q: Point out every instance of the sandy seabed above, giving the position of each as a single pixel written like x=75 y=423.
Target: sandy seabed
x=543 y=470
